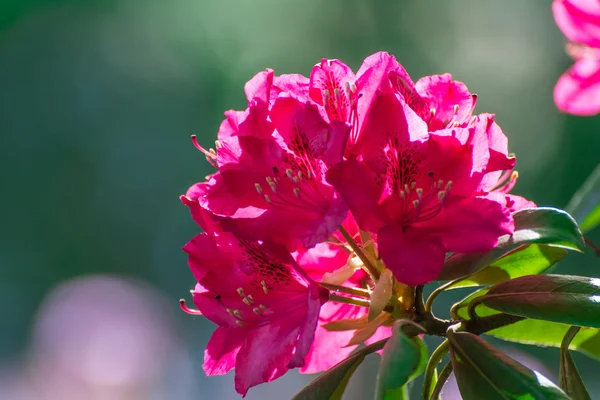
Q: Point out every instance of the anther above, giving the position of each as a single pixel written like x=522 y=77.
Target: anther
x=326 y=95
x=238 y=314
x=336 y=92
x=229 y=311
x=297 y=192
x=262 y=307
x=218 y=144
x=448 y=186
x=402 y=194
x=406 y=189
x=420 y=193
x=432 y=112
x=413 y=184
x=256 y=311
x=271 y=184
x=416 y=203
x=247 y=301
x=441 y=195
x=240 y=323
x=251 y=298
x=240 y=291
x=295 y=179
x=455 y=109
x=264 y=287
x=309 y=174
x=258 y=188
x=300 y=175
x=267 y=198
x=289 y=173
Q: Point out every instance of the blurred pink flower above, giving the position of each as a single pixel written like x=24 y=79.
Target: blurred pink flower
x=578 y=90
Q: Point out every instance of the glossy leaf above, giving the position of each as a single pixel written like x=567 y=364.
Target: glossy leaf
x=526 y=260
x=569 y=379
x=567 y=299
x=549 y=334
x=403 y=359
x=459 y=310
x=332 y=383
x=542 y=225
x=483 y=372
x=585 y=203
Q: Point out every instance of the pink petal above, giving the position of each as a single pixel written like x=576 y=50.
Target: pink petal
x=578 y=90
x=579 y=20
x=259 y=87
x=221 y=350
x=510 y=201
x=264 y=356
x=414 y=259
x=329 y=347
x=356 y=184
x=316 y=296
x=443 y=94
x=331 y=77
x=294 y=85
x=468 y=225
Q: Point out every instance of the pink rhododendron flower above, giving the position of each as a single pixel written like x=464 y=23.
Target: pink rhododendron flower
x=272 y=160
x=578 y=90
x=356 y=175
x=418 y=190
x=266 y=307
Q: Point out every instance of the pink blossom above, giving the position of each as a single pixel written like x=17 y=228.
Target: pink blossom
x=266 y=307
x=578 y=90
x=271 y=162
x=419 y=191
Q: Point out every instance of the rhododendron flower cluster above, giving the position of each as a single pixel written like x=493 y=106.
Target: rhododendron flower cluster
x=578 y=90
x=325 y=185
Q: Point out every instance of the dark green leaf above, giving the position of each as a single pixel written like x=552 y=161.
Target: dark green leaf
x=549 y=334
x=569 y=379
x=483 y=372
x=402 y=360
x=585 y=204
x=332 y=383
x=459 y=310
x=567 y=299
x=526 y=260
x=542 y=225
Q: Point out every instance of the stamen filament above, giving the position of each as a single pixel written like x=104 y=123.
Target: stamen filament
x=188 y=310
x=344 y=289
x=349 y=300
x=368 y=266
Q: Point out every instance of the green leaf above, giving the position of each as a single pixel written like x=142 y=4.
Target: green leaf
x=549 y=334
x=403 y=359
x=569 y=379
x=526 y=260
x=585 y=203
x=542 y=225
x=483 y=372
x=574 y=300
x=331 y=384
x=459 y=310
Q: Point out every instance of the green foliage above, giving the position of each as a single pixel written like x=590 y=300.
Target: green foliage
x=542 y=225
x=332 y=383
x=483 y=371
x=557 y=298
x=403 y=359
x=526 y=260
x=569 y=378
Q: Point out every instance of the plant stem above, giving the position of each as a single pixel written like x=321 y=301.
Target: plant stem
x=436 y=292
x=592 y=245
x=419 y=307
x=569 y=336
x=442 y=378
x=369 y=267
x=349 y=300
x=434 y=360
x=349 y=290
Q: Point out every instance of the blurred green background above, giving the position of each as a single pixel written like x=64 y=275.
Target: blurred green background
x=98 y=100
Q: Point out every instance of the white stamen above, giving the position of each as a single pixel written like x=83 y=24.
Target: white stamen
x=258 y=188
x=297 y=192
x=241 y=292
x=416 y=203
x=267 y=198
